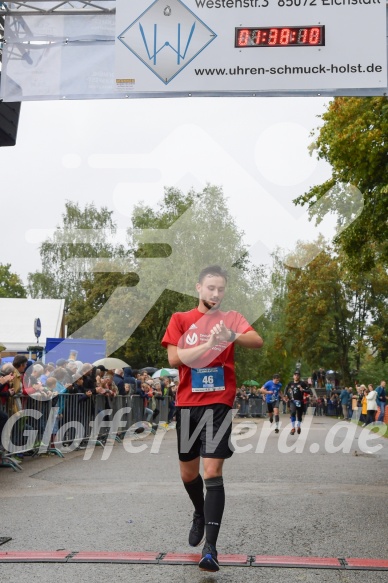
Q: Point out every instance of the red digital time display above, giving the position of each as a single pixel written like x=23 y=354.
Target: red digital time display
x=280 y=36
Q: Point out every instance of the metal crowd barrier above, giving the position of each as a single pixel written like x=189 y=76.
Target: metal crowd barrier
x=333 y=410
x=319 y=410
x=41 y=425
x=252 y=407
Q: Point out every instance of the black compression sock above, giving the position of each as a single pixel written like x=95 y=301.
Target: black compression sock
x=195 y=491
x=214 y=508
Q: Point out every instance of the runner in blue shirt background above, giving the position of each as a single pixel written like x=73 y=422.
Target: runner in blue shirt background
x=273 y=394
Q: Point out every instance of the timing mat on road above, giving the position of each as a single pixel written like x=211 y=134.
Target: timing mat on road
x=151 y=558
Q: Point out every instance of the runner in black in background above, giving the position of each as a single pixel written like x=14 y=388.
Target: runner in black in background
x=294 y=394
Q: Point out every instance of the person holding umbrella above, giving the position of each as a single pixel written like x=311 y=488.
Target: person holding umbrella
x=251 y=384
x=165 y=372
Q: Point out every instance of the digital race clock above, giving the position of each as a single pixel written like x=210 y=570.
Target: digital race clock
x=280 y=36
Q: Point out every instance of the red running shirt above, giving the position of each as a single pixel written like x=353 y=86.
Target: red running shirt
x=189 y=329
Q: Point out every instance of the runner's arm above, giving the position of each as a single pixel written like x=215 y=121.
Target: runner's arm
x=178 y=356
x=249 y=339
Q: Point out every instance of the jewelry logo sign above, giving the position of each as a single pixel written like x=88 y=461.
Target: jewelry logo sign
x=166 y=37
x=218 y=47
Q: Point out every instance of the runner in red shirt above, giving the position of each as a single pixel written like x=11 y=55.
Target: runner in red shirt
x=201 y=343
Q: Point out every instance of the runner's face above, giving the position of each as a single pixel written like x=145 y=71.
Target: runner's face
x=211 y=291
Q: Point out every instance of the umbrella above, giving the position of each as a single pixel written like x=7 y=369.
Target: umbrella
x=165 y=372
x=251 y=384
x=148 y=369
x=110 y=363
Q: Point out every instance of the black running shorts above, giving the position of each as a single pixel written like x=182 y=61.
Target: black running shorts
x=204 y=431
x=272 y=406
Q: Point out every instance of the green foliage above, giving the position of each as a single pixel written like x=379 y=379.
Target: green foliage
x=353 y=139
x=11 y=286
x=85 y=234
x=144 y=348
x=333 y=315
x=168 y=246
x=195 y=229
x=325 y=314
x=97 y=289
x=171 y=208
x=277 y=355
x=318 y=318
x=43 y=285
x=372 y=370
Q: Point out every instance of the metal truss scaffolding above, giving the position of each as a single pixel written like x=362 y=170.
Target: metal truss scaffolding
x=66 y=7
x=51 y=8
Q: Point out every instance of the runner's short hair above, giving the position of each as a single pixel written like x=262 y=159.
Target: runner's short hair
x=213 y=270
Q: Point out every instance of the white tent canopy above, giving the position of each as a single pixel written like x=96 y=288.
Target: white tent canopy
x=17 y=317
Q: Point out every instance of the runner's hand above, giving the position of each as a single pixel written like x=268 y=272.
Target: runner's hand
x=219 y=333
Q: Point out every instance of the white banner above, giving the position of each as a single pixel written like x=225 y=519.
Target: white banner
x=198 y=47
x=58 y=56
x=250 y=45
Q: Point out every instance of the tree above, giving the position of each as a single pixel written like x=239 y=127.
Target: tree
x=11 y=286
x=372 y=370
x=194 y=230
x=67 y=257
x=97 y=289
x=332 y=312
x=277 y=354
x=353 y=139
x=168 y=246
x=377 y=281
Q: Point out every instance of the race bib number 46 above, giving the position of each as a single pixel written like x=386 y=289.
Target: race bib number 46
x=204 y=380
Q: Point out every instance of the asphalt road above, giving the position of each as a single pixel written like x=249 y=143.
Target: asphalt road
x=315 y=502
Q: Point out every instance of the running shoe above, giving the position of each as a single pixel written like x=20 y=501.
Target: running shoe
x=298 y=431
x=277 y=430
x=197 y=530
x=292 y=432
x=209 y=561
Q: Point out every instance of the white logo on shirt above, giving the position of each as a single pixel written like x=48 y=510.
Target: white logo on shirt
x=191 y=339
x=193 y=327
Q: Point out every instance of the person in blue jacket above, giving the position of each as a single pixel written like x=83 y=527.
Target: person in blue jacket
x=345 y=398
x=273 y=395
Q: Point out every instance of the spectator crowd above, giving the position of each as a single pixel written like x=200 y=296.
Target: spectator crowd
x=327 y=397
x=23 y=380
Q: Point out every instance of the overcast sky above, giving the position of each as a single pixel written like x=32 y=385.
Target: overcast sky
x=119 y=152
